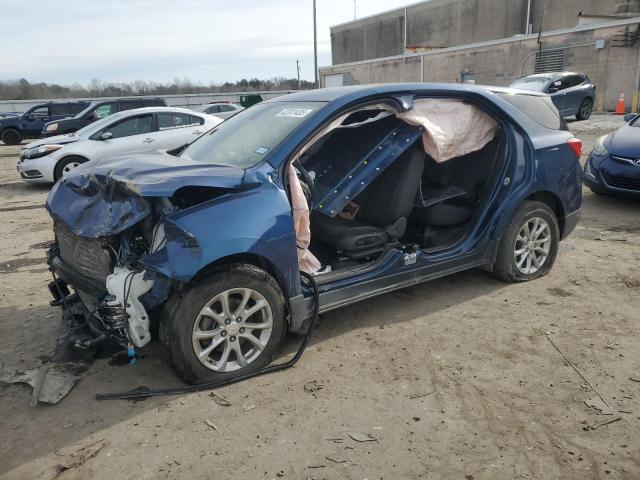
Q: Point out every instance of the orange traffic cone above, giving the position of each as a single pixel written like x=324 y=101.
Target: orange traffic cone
x=620 y=105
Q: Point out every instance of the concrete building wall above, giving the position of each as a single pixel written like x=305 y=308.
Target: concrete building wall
x=564 y=13
x=446 y=23
x=612 y=69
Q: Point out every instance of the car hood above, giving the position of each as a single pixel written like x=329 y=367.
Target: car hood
x=625 y=142
x=57 y=140
x=103 y=199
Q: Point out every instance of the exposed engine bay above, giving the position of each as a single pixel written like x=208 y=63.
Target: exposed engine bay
x=115 y=289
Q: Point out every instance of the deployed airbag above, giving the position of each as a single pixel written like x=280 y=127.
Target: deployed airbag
x=452 y=128
x=306 y=260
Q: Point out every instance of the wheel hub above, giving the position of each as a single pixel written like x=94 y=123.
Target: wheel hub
x=232 y=329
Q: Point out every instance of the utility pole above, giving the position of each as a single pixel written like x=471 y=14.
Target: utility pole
x=298 y=70
x=354 y=9
x=315 y=46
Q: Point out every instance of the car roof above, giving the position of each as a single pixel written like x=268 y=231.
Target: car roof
x=123 y=99
x=362 y=91
x=553 y=75
x=138 y=111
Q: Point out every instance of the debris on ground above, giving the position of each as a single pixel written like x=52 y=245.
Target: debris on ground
x=598 y=404
x=210 y=424
x=79 y=457
x=602 y=423
x=420 y=395
x=363 y=437
x=220 y=400
x=250 y=407
x=313 y=386
x=335 y=459
x=50 y=383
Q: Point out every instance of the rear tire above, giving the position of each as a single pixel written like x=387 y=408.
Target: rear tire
x=586 y=107
x=67 y=164
x=529 y=246
x=11 y=136
x=196 y=319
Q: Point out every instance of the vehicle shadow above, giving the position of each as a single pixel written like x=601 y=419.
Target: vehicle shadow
x=29 y=433
x=611 y=212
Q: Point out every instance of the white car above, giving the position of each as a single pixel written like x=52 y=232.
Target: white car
x=131 y=131
x=222 y=110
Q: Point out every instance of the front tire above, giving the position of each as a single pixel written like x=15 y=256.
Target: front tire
x=586 y=107
x=65 y=166
x=11 y=136
x=229 y=323
x=529 y=246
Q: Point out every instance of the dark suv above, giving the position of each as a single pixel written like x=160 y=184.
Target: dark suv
x=96 y=111
x=14 y=129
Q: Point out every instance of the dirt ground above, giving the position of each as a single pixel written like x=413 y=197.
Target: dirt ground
x=454 y=379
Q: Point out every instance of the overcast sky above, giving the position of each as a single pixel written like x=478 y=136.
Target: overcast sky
x=68 y=41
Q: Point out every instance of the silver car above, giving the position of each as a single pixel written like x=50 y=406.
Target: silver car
x=221 y=110
x=572 y=93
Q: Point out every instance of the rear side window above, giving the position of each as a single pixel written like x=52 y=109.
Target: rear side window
x=571 y=81
x=122 y=106
x=168 y=120
x=75 y=108
x=540 y=109
x=60 y=109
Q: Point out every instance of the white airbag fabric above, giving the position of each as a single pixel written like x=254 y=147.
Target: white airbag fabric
x=452 y=128
x=306 y=260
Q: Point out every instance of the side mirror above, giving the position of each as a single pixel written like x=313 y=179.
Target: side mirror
x=106 y=136
x=629 y=116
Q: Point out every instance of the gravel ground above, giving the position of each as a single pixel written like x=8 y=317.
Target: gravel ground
x=458 y=378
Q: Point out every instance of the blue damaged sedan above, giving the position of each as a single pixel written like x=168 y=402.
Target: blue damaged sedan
x=613 y=167
x=368 y=189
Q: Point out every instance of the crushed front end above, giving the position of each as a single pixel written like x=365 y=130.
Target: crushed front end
x=107 y=222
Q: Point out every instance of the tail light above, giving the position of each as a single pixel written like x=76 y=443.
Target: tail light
x=576 y=146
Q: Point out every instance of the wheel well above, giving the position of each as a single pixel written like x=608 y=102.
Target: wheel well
x=554 y=203
x=72 y=156
x=246 y=258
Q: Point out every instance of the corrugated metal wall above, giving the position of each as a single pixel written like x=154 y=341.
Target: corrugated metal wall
x=172 y=100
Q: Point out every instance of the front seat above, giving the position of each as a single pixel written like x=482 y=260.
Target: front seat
x=382 y=216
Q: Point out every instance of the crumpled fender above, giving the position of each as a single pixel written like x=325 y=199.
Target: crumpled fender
x=256 y=220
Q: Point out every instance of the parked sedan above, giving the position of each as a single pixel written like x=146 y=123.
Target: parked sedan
x=613 y=167
x=133 y=131
x=571 y=93
x=222 y=110
x=405 y=183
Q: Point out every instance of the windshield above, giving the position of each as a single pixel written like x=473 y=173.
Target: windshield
x=635 y=122
x=536 y=84
x=245 y=139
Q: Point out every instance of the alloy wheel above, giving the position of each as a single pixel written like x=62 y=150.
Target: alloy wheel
x=232 y=329
x=585 y=109
x=532 y=245
x=69 y=166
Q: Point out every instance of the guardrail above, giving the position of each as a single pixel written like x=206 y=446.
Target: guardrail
x=184 y=100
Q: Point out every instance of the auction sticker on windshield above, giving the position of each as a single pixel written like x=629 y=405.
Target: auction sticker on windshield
x=294 y=112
